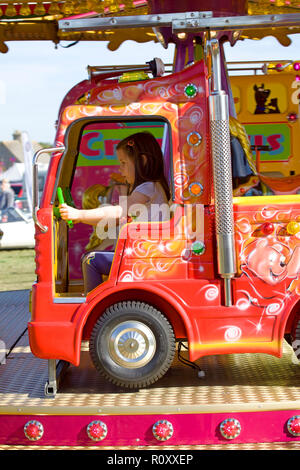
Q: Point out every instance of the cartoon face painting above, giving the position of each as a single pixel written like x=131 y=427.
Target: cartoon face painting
x=273 y=262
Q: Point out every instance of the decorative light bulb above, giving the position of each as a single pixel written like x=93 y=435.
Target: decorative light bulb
x=292 y=117
x=39 y=9
x=293 y=227
x=162 y=430
x=54 y=9
x=293 y=426
x=25 y=10
x=10 y=10
x=267 y=228
x=230 y=428
x=97 y=430
x=33 y=430
x=190 y=90
x=198 y=247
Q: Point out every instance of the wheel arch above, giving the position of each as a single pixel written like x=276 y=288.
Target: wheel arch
x=155 y=299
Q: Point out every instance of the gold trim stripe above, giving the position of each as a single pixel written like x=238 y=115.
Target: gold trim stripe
x=150 y=410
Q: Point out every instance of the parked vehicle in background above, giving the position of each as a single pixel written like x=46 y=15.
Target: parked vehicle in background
x=17 y=229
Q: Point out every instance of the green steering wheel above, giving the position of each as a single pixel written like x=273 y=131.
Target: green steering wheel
x=61 y=200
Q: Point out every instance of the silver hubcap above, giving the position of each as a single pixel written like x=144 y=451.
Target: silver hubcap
x=132 y=344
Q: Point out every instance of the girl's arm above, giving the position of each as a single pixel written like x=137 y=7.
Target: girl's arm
x=93 y=216
x=89 y=216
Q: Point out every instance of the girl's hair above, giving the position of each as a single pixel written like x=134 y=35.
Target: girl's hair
x=151 y=168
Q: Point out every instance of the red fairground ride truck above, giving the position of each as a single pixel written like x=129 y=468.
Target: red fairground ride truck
x=230 y=286
x=222 y=276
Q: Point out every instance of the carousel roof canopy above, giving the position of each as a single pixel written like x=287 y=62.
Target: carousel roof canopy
x=47 y=20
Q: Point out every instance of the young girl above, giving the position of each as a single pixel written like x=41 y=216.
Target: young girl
x=142 y=166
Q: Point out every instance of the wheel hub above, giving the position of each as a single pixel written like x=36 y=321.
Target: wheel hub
x=132 y=344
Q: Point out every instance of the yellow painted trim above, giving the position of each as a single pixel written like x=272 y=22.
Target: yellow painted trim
x=259 y=347
x=267 y=200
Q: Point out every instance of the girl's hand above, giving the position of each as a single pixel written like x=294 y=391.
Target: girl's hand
x=69 y=213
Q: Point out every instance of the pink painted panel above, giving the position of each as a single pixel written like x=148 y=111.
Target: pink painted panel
x=132 y=430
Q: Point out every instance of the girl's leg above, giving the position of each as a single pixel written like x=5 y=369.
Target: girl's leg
x=93 y=265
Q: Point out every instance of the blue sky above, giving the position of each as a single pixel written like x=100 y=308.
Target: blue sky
x=35 y=76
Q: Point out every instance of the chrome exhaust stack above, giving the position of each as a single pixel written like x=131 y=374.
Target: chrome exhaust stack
x=222 y=175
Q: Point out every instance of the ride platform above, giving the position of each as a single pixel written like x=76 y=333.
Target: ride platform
x=259 y=394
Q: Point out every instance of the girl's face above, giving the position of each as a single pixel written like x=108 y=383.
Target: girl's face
x=127 y=168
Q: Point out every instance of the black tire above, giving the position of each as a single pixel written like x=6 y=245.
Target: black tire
x=132 y=344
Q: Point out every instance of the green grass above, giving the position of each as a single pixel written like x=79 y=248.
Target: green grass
x=16 y=269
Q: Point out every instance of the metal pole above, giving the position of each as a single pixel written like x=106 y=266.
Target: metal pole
x=222 y=176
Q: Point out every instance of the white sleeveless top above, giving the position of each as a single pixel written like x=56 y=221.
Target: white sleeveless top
x=156 y=209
